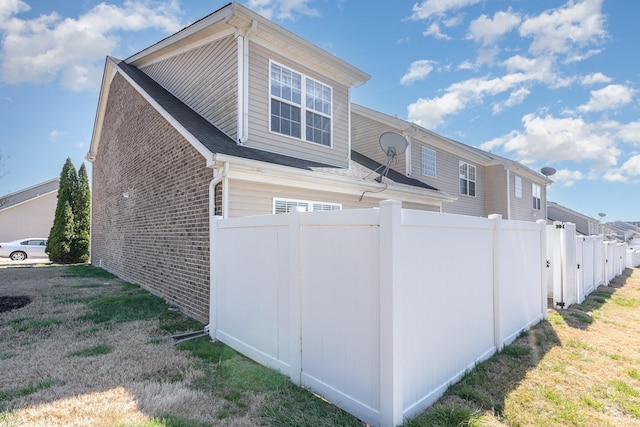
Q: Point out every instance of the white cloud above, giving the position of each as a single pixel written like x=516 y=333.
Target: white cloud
x=429 y=8
x=567 y=178
x=434 y=30
x=8 y=8
x=49 y=48
x=282 y=9
x=630 y=132
x=55 y=134
x=561 y=30
x=431 y=112
x=629 y=172
x=487 y=31
x=608 y=98
x=552 y=139
x=516 y=97
x=595 y=78
x=419 y=70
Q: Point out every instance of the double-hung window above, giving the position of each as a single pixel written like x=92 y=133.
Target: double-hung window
x=290 y=205
x=535 y=191
x=428 y=162
x=517 y=183
x=301 y=107
x=467 y=179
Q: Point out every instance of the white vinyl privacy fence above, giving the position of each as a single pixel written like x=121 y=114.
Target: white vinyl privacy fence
x=378 y=310
x=579 y=264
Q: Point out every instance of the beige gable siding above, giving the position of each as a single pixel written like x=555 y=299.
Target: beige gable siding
x=206 y=79
x=496 y=190
x=365 y=139
x=252 y=198
x=261 y=137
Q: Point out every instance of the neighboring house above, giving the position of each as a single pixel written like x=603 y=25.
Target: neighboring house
x=483 y=183
x=623 y=231
x=28 y=212
x=585 y=225
x=231 y=116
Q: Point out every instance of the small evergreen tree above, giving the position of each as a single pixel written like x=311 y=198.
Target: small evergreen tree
x=61 y=235
x=82 y=217
x=69 y=236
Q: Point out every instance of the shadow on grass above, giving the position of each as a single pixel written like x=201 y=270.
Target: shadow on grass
x=486 y=387
x=582 y=315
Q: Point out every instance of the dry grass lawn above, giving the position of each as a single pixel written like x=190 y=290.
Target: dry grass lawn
x=61 y=367
x=58 y=369
x=579 y=368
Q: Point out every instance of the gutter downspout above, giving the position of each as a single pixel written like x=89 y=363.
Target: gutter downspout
x=243 y=83
x=222 y=176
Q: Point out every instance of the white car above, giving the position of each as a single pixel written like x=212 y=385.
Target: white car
x=31 y=247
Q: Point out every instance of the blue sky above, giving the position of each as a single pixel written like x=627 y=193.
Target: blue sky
x=547 y=83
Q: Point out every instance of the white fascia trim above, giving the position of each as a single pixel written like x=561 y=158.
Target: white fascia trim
x=183 y=34
x=195 y=142
x=141 y=62
x=252 y=170
x=107 y=78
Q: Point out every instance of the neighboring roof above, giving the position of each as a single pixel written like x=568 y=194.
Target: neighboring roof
x=29 y=193
x=551 y=206
x=484 y=157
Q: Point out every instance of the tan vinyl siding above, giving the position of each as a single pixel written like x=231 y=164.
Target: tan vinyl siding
x=522 y=209
x=447 y=178
x=261 y=137
x=253 y=198
x=496 y=190
x=365 y=139
x=206 y=79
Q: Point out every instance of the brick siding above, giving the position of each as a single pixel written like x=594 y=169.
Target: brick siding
x=150 y=188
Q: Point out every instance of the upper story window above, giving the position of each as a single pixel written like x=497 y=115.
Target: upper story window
x=535 y=190
x=517 y=183
x=290 y=205
x=300 y=106
x=467 y=179
x=428 y=162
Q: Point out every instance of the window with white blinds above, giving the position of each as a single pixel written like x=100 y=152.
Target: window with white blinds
x=290 y=205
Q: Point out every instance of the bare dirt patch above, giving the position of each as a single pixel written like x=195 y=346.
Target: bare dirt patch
x=12 y=303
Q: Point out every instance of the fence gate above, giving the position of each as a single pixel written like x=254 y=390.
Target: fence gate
x=562 y=253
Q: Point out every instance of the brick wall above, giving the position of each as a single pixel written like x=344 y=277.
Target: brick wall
x=150 y=223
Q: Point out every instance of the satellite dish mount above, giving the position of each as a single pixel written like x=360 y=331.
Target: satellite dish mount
x=393 y=144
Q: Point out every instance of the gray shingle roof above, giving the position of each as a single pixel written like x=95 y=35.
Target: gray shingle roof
x=218 y=142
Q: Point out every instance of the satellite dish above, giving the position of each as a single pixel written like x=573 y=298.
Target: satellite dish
x=548 y=171
x=602 y=215
x=393 y=144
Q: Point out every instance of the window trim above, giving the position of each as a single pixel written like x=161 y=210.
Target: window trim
x=311 y=205
x=517 y=186
x=435 y=161
x=304 y=78
x=467 y=179
x=536 y=189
